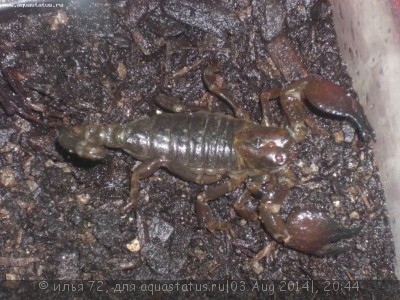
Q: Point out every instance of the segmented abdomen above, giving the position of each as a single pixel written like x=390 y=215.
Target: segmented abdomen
x=198 y=140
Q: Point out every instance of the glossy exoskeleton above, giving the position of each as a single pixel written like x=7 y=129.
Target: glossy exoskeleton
x=205 y=147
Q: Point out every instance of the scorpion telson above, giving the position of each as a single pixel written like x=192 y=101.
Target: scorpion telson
x=205 y=147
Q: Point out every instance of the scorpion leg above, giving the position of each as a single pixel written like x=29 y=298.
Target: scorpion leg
x=307 y=230
x=293 y=107
x=173 y=104
x=210 y=80
x=265 y=97
x=147 y=168
x=203 y=210
x=242 y=210
x=269 y=213
x=189 y=174
x=253 y=188
x=144 y=170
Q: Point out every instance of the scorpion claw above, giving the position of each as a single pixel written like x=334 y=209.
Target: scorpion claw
x=313 y=231
x=332 y=99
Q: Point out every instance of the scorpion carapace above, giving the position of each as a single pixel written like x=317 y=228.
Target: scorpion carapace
x=205 y=147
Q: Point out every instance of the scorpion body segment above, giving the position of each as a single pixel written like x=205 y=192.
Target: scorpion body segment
x=205 y=147
x=200 y=141
x=207 y=143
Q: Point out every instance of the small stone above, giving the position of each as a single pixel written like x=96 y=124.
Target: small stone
x=257 y=268
x=7 y=178
x=336 y=200
x=84 y=198
x=348 y=131
x=49 y=163
x=60 y=18
x=32 y=185
x=134 y=246
x=10 y=276
x=354 y=215
x=242 y=222
x=88 y=238
x=339 y=137
x=4 y=214
x=122 y=72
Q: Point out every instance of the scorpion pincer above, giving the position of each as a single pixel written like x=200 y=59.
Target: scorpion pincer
x=205 y=147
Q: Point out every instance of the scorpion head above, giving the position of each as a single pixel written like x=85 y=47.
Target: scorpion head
x=263 y=148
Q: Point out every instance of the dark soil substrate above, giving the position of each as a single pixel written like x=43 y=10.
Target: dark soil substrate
x=61 y=216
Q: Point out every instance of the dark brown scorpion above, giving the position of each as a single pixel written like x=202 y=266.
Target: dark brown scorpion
x=205 y=147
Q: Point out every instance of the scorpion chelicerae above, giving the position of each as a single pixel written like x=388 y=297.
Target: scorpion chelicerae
x=205 y=147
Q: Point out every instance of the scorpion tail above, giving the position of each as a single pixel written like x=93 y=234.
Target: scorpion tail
x=89 y=141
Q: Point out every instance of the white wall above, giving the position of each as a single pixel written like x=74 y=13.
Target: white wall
x=369 y=37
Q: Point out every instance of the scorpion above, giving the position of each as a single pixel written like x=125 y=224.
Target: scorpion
x=206 y=147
